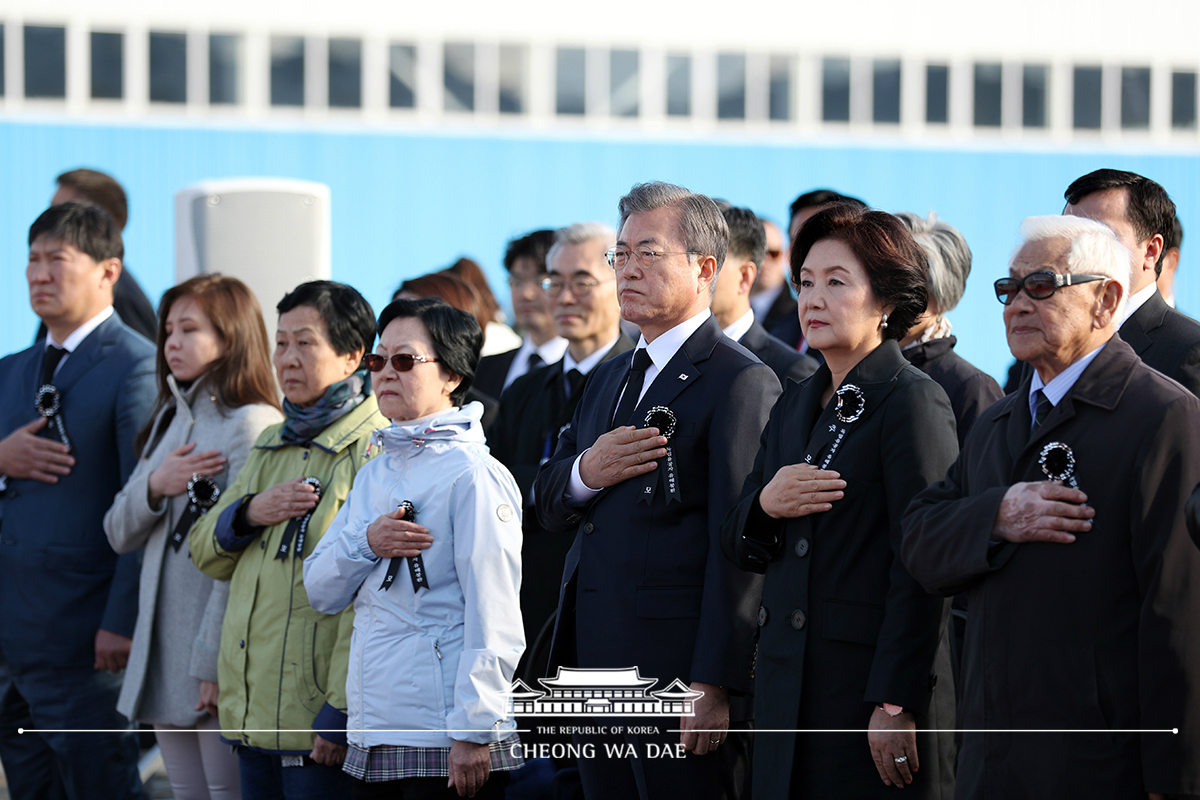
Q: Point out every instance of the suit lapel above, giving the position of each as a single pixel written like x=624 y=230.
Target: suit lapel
x=681 y=371
x=1136 y=330
x=89 y=353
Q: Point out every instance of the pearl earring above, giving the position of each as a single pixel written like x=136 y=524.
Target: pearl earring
x=884 y=321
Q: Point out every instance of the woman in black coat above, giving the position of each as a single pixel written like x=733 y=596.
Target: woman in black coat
x=848 y=640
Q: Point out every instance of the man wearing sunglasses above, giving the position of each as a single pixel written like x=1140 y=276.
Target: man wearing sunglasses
x=1143 y=216
x=1063 y=518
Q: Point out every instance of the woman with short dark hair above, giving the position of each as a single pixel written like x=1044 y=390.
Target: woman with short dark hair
x=847 y=639
x=428 y=551
x=282 y=666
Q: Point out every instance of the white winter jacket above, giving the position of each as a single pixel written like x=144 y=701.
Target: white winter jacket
x=431 y=665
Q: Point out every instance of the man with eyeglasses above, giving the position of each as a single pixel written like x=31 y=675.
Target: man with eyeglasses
x=772 y=301
x=536 y=407
x=656 y=454
x=525 y=260
x=731 y=298
x=1063 y=518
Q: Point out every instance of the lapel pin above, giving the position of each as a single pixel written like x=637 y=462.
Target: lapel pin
x=683 y=376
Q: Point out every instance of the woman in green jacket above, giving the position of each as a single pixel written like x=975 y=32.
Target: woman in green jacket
x=282 y=666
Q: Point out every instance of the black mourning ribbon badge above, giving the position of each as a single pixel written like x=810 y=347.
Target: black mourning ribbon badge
x=850 y=403
x=48 y=403
x=1057 y=461
x=202 y=494
x=416 y=564
x=664 y=419
x=298 y=526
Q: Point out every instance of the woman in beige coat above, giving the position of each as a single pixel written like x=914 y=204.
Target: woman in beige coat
x=216 y=395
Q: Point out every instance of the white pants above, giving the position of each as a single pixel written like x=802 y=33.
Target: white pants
x=199 y=765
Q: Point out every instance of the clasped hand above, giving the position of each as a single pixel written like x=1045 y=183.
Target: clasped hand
x=25 y=455
x=798 y=490
x=391 y=536
x=621 y=454
x=1042 y=511
x=172 y=476
x=282 y=502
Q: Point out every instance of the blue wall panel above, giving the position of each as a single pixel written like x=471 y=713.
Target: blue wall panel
x=405 y=204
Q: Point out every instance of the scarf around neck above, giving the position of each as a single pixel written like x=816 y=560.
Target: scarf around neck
x=305 y=423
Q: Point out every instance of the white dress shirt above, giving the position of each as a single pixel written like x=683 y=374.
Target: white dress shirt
x=549 y=352
x=1136 y=301
x=661 y=351
x=739 y=327
x=588 y=364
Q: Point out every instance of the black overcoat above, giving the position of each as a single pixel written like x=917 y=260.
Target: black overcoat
x=970 y=389
x=843 y=626
x=1099 y=634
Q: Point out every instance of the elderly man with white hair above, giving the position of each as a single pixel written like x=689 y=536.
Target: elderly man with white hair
x=1063 y=518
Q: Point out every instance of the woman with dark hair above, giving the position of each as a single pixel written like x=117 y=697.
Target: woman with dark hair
x=428 y=551
x=282 y=666
x=848 y=641
x=216 y=394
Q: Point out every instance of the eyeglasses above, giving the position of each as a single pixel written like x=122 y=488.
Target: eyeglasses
x=401 y=362
x=1039 y=285
x=579 y=285
x=645 y=258
x=774 y=253
x=517 y=283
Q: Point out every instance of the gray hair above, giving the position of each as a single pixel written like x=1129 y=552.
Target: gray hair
x=581 y=233
x=948 y=255
x=701 y=222
x=1094 y=248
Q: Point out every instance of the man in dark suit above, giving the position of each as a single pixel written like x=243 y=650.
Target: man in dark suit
x=525 y=260
x=129 y=301
x=731 y=298
x=1143 y=216
x=645 y=583
x=68 y=602
x=1083 y=617
x=540 y=403
x=771 y=298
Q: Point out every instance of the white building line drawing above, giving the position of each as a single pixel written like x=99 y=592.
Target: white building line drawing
x=602 y=692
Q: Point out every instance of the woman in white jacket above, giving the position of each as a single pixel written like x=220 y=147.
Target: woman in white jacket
x=216 y=393
x=428 y=548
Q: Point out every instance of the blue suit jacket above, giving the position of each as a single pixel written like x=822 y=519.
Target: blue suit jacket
x=59 y=580
x=645 y=582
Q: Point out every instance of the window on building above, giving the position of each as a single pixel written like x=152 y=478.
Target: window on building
x=458 y=77
x=835 y=90
x=731 y=86
x=108 y=65
x=679 y=85
x=45 y=61
x=1135 y=97
x=624 y=85
x=1086 y=98
x=1183 y=100
x=937 y=93
x=1034 y=86
x=987 y=95
x=168 y=67
x=514 y=67
x=287 y=70
x=224 y=66
x=570 y=84
x=345 y=73
x=402 y=76
x=885 y=90
x=779 y=100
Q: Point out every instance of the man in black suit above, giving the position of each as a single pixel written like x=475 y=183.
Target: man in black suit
x=1083 y=617
x=525 y=260
x=771 y=298
x=1143 y=216
x=129 y=301
x=540 y=403
x=67 y=601
x=731 y=298
x=655 y=456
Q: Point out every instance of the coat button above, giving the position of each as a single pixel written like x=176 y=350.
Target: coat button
x=262 y=545
x=802 y=547
x=762 y=616
x=798 y=619
x=588 y=528
x=243 y=644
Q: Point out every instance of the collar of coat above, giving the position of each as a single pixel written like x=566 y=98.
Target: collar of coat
x=929 y=351
x=1150 y=316
x=360 y=422
x=875 y=375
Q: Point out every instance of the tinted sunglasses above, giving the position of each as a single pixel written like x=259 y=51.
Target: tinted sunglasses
x=401 y=362
x=1039 y=285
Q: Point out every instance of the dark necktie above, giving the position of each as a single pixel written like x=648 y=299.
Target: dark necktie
x=1044 y=407
x=534 y=362
x=575 y=380
x=633 y=387
x=50 y=360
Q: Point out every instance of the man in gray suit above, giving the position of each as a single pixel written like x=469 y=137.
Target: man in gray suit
x=70 y=407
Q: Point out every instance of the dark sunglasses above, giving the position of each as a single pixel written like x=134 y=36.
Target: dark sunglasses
x=401 y=362
x=1039 y=285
